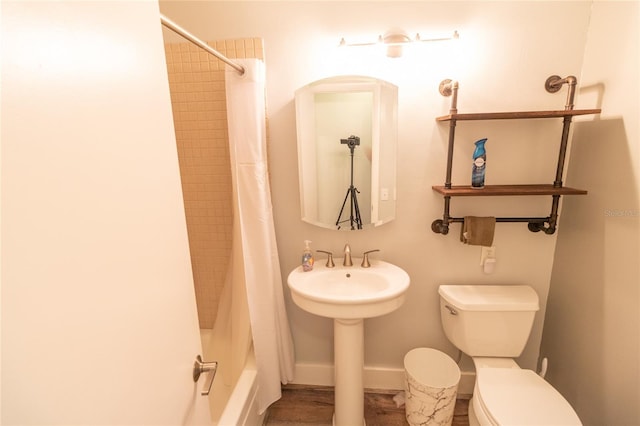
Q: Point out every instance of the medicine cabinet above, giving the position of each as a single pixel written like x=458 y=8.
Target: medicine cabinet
x=347 y=139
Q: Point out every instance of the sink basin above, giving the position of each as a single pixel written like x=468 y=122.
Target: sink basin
x=349 y=292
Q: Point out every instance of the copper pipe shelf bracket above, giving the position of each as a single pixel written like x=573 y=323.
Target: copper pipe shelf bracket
x=535 y=224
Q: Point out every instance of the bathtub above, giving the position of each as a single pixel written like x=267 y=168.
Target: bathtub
x=232 y=405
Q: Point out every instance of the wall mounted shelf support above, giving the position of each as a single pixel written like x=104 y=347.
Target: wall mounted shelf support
x=556 y=190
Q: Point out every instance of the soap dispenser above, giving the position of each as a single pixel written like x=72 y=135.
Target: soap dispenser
x=307 y=257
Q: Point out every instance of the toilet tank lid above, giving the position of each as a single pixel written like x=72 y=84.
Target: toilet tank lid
x=490 y=297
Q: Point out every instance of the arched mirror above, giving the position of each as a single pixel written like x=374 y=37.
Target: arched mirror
x=347 y=137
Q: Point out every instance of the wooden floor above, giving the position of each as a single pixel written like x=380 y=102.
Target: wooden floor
x=305 y=405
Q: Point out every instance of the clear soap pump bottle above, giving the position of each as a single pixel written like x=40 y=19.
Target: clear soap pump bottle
x=307 y=257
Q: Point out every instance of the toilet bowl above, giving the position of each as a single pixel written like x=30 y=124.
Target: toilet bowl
x=492 y=324
x=505 y=394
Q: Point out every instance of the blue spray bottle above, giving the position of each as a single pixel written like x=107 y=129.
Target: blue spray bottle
x=479 y=165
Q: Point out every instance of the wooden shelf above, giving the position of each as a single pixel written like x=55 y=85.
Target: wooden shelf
x=495 y=190
x=535 y=224
x=517 y=115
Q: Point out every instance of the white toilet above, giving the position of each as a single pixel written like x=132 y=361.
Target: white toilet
x=492 y=324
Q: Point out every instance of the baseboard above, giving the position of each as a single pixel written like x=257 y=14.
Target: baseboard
x=384 y=378
x=374 y=377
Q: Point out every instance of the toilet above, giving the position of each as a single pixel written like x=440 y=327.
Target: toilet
x=491 y=324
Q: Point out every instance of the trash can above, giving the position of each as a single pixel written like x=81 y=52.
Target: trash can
x=430 y=386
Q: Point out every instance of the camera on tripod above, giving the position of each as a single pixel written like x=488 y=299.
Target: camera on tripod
x=354 y=218
x=351 y=141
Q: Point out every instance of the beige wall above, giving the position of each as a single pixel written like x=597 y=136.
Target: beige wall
x=196 y=81
x=505 y=59
x=592 y=327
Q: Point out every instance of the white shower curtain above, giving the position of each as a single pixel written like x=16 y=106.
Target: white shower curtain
x=255 y=254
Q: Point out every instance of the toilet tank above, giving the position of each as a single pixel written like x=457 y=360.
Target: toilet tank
x=488 y=320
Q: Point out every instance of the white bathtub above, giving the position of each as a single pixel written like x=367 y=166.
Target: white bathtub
x=232 y=405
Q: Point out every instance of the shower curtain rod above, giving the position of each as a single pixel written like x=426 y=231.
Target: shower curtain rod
x=195 y=40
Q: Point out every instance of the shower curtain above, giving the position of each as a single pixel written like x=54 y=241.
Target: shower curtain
x=255 y=255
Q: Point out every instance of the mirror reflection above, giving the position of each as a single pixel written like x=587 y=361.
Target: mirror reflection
x=347 y=136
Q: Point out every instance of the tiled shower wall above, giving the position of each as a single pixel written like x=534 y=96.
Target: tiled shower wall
x=196 y=80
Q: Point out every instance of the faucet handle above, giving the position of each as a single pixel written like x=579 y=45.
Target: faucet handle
x=330 y=263
x=365 y=258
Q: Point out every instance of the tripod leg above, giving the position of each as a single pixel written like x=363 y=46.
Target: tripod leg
x=351 y=218
x=342 y=208
x=354 y=200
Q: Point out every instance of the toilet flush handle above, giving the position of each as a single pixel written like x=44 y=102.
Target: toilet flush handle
x=200 y=367
x=451 y=310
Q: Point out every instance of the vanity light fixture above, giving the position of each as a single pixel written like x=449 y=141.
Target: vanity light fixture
x=395 y=40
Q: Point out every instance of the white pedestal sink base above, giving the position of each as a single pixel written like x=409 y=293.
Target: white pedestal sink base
x=348 y=338
x=349 y=294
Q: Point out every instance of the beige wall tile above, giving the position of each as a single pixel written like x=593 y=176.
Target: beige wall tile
x=196 y=80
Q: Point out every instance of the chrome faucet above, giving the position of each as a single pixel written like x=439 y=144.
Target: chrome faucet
x=347 y=256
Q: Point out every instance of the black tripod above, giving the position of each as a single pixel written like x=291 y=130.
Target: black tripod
x=352 y=191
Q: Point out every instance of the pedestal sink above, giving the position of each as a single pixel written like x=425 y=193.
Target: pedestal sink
x=348 y=294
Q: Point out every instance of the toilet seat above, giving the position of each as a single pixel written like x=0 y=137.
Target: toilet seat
x=511 y=396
